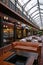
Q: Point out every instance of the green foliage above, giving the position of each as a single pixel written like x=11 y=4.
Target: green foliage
x=39 y=32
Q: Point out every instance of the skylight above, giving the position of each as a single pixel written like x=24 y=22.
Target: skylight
x=34 y=8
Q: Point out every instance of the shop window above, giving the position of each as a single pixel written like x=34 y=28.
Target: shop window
x=8 y=33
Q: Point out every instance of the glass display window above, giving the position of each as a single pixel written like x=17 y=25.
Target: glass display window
x=19 y=32
x=8 y=33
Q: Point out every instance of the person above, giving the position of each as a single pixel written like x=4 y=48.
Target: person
x=28 y=33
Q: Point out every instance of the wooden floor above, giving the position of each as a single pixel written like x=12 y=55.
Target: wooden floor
x=41 y=62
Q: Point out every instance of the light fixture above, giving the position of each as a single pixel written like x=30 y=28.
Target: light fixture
x=4 y=26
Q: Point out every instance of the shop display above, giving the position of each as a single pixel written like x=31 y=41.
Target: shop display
x=8 y=34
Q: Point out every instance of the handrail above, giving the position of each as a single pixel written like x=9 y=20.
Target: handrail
x=15 y=8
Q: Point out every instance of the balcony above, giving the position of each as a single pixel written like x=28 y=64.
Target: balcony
x=14 y=7
x=17 y=10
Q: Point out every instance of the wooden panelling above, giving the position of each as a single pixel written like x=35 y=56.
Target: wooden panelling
x=1 y=51
x=7 y=48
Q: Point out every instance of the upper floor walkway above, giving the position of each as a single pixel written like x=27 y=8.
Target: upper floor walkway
x=19 y=13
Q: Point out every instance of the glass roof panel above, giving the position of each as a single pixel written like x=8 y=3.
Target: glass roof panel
x=34 y=9
x=36 y=16
x=38 y=22
x=24 y=13
x=41 y=14
x=42 y=11
x=19 y=7
x=13 y=1
x=22 y=2
x=37 y=19
x=41 y=6
x=41 y=1
x=42 y=18
x=30 y=4
x=35 y=13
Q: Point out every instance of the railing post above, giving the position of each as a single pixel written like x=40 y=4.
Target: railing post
x=6 y=2
x=22 y=10
x=26 y=15
x=1 y=33
x=16 y=4
x=15 y=36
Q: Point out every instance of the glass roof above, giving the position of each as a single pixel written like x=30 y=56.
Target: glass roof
x=34 y=8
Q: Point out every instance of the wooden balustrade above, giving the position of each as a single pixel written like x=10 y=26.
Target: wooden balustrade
x=27 y=46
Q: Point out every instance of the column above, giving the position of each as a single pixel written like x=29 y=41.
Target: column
x=16 y=4
x=15 y=36
x=1 y=33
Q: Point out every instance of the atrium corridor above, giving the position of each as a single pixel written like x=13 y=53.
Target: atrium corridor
x=21 y=32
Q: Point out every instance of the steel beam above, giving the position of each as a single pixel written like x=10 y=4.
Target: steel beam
x=35 y=15
x=41 y=3
x=32 y=7
x=39 y=11
x=26 y=3
x=33 y=12
x=16 y=4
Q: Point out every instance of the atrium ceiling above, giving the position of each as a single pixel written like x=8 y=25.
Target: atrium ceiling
x=34 y=8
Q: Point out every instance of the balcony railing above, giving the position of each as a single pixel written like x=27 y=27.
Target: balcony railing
x=15 y=8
